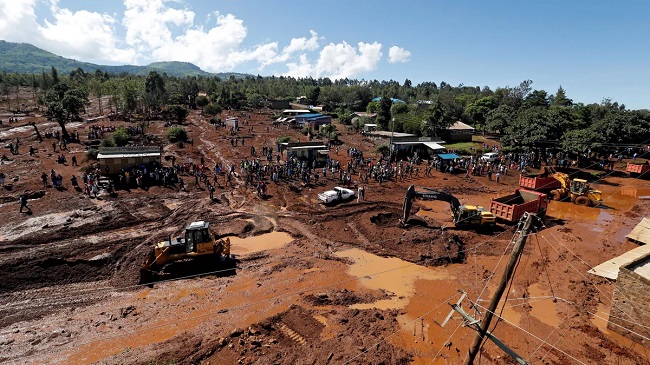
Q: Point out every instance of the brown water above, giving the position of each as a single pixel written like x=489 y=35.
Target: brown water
x=601 y=323
x=392 y=275
x=267 y=241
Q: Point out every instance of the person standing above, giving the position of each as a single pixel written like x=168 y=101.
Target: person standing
x=23 y=203
x=496 y=176
x=211 y=189
x=74 y=160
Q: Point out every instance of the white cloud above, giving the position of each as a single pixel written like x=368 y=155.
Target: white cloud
x=82 y=34
x=165 y=30
x=342 y=60
x=398 y=54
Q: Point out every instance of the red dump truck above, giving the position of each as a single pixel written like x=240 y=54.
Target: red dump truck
x=539 y=182
x=637 y=169
x=511 y=208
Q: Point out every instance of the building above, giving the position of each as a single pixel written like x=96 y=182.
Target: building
x=458 y=132
x=630 y=313
x=312 y=152
x=313 y=120
x=423 y=147
x=117 y=158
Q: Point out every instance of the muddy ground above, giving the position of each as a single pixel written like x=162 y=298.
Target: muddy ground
x=310 y=284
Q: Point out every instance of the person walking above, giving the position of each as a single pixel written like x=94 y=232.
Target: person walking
x=2 y=179
x=74 y=160
x=23 y=203
x=496 y=176
x=211 y=189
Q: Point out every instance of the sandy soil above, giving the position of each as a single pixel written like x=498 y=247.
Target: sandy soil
x=343 y=284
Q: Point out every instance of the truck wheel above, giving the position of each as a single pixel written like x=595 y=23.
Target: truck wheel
x=555 y=195
x=582 y=200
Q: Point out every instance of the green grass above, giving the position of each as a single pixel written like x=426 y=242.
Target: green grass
x=463 y=145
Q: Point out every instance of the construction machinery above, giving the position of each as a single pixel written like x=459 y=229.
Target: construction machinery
x=473 y=216
x=199 y=242
x=578 y=190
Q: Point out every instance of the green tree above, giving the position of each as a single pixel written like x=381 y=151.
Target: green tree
x=212 y=109
x=500 y=118
x=479 y=110
x=63 y=104
x=154 y=89
x=314 y=94
x=434 y=120
x=383 y=114
x=560 y=98
x=177 y=134
x=202 y=101
x=121 y=137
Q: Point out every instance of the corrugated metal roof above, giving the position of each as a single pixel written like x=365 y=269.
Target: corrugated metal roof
x=460 y=126
x=641 y=233
x=434 y=145
x=101 y=156
x=448 y=156
x=609 y=269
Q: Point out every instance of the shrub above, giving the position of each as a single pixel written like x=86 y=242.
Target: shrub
x=107 y=142
x=92 y=153
x=383 y=149
x=212 y=109
x=283 y=139
x=121 y=137
x=175 y=134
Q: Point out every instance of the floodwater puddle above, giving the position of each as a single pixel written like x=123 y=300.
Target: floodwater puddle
x=267 y=241
x=392 y=275
x=600 y=320
x=543 y=307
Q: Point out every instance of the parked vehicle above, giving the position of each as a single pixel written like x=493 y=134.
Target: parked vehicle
x=335 y=195
x=490 y=157
x=637 y=169
x=511 y=208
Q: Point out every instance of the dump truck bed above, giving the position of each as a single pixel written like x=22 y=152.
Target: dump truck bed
x=511 y=208
x=637 y=168
x=538 y=182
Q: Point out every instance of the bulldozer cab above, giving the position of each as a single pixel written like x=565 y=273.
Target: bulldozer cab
x=196 y=235
x=579 y=186
x=473 y=215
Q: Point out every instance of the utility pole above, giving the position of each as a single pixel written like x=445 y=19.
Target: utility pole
x=507 y=275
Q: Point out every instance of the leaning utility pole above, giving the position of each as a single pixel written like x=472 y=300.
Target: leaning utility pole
x=507 y=275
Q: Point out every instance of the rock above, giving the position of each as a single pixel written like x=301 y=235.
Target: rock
x=126 y=311
x=236 y=333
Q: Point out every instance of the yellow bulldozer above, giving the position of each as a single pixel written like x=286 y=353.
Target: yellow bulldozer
x=199 y=242
x=578 y=190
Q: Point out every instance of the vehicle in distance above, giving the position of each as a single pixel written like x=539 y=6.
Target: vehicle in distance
x=490 y=157
x=335 y=195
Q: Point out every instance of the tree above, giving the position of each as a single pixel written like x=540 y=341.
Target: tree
x=500 y=118
x=212 y=109
x=434 y=120
x=328 y=130
x=560 y=99
x=383 y=114
x=63 y=104
x=121 y=137
x=313 y=96
x=478 y=110
x=154 y=89
x=202 y=101
x=177 y=134
x=54 y=76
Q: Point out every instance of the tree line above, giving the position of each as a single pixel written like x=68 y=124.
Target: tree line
x=526 y=117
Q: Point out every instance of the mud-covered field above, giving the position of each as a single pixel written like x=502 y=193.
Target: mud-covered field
x=310 y=284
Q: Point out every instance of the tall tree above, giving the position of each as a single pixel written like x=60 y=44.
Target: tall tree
x=64 y=104
x=154 y=89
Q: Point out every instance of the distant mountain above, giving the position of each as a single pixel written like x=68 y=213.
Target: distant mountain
x=26 y=58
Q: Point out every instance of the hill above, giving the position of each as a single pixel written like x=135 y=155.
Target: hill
x=26 y=58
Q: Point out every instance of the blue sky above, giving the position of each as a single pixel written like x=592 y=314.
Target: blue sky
x=594 y=49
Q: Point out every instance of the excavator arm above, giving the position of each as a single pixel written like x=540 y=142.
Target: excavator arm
x=426 y=194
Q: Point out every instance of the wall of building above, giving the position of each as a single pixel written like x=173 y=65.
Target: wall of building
x=631 y=305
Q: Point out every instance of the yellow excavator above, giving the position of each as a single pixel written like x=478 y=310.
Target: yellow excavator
x=199 y=242
x=472 y=216
x=578 y=190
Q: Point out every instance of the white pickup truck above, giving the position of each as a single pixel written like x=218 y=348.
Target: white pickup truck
x=334 y=195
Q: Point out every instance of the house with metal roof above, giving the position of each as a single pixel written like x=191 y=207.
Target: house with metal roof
x=458 y=132
x=117 y=158
x=313 y=120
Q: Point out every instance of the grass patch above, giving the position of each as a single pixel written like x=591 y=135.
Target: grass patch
x=463 y=145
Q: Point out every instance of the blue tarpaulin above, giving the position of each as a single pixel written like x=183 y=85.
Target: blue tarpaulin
x=448 y=156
